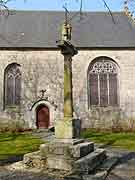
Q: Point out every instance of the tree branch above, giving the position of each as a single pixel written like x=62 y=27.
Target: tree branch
x=109 y=10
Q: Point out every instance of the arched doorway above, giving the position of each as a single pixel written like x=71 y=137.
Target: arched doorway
x=42 y=117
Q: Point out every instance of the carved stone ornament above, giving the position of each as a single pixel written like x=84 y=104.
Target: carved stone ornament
x=105 y=67
x=43 y=97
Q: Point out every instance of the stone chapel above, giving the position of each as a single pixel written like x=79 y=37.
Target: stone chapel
x=31 y=69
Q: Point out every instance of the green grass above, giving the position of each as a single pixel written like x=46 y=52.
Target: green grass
x=12 y=144
x=119 y=140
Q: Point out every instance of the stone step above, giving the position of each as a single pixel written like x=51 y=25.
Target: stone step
x=101 y=173
x=43 y=135
x=61 y=155
x=82 y=149
x=103 y=170
x=67 y=151
x=73 y=177
x=109 y=163
x=89 y=163
x=98 y=176
x=41 y=130
x=68 y=141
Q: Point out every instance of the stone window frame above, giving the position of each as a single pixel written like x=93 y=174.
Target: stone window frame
x=91 y=70
x=15 y=105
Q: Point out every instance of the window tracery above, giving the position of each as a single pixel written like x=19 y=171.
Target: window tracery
x=102 y=83
x=12 y=85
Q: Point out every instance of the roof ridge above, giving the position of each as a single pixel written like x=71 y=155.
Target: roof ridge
x=60 y=11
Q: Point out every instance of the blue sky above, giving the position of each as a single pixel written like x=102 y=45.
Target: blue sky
x=88 y=5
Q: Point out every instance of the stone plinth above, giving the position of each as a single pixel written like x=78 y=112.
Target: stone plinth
x=68 y=129
x=62 y=156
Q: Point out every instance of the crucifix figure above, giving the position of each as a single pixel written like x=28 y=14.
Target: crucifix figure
x=66 y=27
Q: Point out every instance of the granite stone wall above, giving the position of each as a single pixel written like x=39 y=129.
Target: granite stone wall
x=43 y=70
x=122 y=116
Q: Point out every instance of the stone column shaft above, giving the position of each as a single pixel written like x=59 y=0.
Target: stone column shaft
x=68 y=99
x=68 y=128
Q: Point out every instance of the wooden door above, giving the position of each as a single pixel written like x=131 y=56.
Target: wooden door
x=43 y=118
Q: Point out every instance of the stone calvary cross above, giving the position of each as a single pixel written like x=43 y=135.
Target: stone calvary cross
x=68 y=128
x=63 y=152
x=67 y=152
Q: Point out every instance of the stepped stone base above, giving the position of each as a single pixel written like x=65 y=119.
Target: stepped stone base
x=62 y=155
x=67 y=150
x=73 y=155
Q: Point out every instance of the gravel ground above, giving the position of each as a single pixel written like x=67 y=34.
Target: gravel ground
x=8 y=175
x=123 y=171
x=119 y=173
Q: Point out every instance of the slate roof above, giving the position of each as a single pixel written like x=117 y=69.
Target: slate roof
x=41 y=29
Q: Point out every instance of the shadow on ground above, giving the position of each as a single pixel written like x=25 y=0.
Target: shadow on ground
x=11 y=160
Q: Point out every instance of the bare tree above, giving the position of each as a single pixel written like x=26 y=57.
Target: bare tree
x=131 y=5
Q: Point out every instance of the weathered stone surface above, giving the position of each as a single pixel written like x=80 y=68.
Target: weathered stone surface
x=68 y=129
x=67 y=150
x=82 y=149
x=17 y=166
x=35 y=160
x=62 y=156
x=80 y=157
x=54 y=149
x=60 y=163
x=124 y=170
x=103 y=170
x=109 y=163
x=88 y=163
x=48 y=65
x=69 y=141
x=98 y=176
x=73 y=177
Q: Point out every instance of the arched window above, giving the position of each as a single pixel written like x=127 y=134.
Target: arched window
x=12 y=85
x=103 y=83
